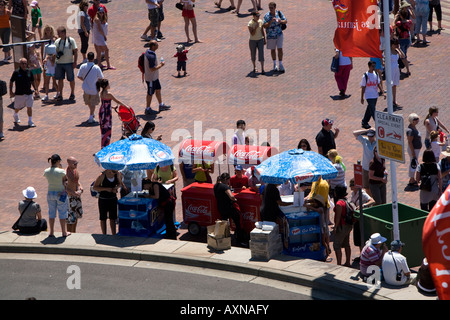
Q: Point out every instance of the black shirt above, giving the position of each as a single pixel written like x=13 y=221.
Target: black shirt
x=269 y=206
x=23 y=80
x=224 y=203
x=325 y=139
x=164 y=194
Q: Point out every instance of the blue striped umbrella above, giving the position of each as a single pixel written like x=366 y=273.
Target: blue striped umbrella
x=135 y=153
x=297 y=166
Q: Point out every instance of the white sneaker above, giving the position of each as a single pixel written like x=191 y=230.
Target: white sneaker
x=2 y=135
x=16 y=118
x=31 y=124
x=145 y=37
x=45 y=98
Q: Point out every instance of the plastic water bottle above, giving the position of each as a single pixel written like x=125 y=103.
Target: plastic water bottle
x=162 y=59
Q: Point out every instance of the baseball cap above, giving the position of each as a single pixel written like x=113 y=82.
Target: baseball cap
x=327 y=121
x=396 y=245
x=238 y=168
x=371 y=133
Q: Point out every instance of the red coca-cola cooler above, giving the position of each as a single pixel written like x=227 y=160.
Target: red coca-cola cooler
x=199 y=206
x=196 y=151
x=249 y=155
x=249 y=203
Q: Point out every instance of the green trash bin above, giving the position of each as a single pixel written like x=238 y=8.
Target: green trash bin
x=411 y=220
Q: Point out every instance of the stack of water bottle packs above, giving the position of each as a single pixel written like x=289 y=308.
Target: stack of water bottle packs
x=265 y=240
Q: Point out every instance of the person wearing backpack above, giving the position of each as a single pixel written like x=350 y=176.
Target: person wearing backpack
x=370 y=84
x=428 y=175
x=343 y=224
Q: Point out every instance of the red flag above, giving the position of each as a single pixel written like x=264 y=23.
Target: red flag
x=436 y=244
x=357 y=33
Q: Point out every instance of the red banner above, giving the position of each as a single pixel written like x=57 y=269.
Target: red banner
x=357 y=33
x=436 y=244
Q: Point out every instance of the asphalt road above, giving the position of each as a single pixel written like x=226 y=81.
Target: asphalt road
x=68 y=280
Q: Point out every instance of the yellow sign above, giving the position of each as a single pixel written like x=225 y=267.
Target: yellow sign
x=391 y=150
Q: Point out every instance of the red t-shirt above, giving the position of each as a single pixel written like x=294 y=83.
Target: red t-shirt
x=237 y=183
x=343 y=206
x=92 y=11
x=182 y=56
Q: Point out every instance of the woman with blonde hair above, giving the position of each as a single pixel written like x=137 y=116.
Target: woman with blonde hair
x=336 y=159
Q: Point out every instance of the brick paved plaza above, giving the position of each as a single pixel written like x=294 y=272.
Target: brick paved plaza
x=218 y=91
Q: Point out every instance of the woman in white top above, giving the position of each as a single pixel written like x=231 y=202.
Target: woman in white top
x=100 y=31
x=341 y=77
x=396 y=54
x=432 y=123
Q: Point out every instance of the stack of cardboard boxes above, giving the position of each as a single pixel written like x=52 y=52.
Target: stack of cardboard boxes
x=265 y=242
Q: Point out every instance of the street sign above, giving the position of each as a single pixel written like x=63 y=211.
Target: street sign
x=357 y=169
x=390 y=136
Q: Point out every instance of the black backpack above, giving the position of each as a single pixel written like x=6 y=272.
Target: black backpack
x=350 y=212
x=425 y=179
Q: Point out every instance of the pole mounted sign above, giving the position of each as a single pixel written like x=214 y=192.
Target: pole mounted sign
x=390 y=136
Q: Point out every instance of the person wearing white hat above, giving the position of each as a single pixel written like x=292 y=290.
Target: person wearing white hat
x=31 y=220
x=372 y=253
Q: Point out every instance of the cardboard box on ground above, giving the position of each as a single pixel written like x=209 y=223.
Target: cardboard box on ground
x=219 y=237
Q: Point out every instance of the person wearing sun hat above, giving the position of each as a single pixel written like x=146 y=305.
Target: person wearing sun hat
x=372 y=253
x=31 y=221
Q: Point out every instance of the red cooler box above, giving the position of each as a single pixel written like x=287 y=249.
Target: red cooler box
x=249 y=203
x=199 y=206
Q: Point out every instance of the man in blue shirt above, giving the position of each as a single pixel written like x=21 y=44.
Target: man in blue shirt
x=273 y=21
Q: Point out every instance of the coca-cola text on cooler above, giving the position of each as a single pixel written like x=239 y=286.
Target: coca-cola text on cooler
x=198 y=209
x=247 y=155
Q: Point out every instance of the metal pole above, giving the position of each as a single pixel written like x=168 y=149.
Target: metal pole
x=23 y=43
x=387 y=65
x=361 y=215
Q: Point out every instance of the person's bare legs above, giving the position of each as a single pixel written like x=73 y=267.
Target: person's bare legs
x=194 y=30
x=186 y=28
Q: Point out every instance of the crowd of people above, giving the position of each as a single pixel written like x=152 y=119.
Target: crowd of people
x=57 y=60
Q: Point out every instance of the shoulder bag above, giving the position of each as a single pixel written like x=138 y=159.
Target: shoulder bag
x=16 y=225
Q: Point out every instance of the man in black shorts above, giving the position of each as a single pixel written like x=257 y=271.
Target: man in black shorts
x=151 y=75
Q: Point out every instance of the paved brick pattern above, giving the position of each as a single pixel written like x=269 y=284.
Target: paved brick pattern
x=218 y=91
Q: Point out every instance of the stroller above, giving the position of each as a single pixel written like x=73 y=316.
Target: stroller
x=128 y=117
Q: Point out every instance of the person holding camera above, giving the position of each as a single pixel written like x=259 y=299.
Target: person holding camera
x=66 y=62
x=394 y=265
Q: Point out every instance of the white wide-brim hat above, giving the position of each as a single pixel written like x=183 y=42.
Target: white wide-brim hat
x=376 y=238
x=29 y=193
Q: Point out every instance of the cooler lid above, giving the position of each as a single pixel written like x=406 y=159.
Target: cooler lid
x=201 y=150
x=245 y=154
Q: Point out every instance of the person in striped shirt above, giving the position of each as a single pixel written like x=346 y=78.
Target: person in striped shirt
x=372 y=253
